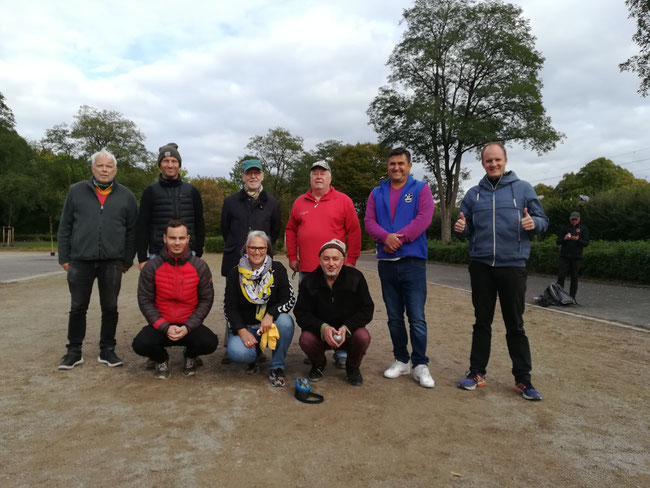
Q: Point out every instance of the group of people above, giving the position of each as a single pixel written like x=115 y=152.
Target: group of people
x=101 y=230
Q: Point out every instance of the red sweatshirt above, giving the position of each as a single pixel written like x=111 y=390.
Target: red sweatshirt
x=312 y=224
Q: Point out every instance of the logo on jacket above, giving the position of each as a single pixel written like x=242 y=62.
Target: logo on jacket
x=408 y=197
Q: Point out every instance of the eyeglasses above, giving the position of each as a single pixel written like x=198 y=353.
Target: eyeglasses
x=256 y=249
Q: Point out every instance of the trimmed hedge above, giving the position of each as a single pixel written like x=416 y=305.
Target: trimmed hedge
x=612 y=260
x=214 y=244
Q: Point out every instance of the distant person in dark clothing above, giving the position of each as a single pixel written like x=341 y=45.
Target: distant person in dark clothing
x=573 y=238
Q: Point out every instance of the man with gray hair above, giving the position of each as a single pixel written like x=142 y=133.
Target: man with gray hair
x=96 y=240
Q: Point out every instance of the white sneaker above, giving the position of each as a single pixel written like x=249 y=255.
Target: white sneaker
x=421 y=375
x=398 y=368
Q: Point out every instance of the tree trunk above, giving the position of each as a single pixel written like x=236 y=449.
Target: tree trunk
x=445 y=222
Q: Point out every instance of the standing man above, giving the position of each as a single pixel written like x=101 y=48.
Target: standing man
x=573 y=239
x=96 y=240
x=497 y=216
x=398 y=213
x=175 y=295
x=169 y=198
x=252 y=208
x=316 y=217
x=334 y=306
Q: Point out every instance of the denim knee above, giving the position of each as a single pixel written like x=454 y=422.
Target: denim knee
x=238 y=352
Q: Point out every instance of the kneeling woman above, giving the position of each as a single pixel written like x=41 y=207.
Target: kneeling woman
x=259 y=295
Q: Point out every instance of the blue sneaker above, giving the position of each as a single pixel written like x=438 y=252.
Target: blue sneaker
x=472 y=380
x=528 y=391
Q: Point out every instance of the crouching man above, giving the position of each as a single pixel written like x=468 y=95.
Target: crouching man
x=175 y=294
x=334 y=306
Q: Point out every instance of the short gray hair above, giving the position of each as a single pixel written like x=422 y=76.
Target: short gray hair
x=103 y=153
x=262 y=235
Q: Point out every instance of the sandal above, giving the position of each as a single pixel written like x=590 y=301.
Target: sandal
x=276 y=377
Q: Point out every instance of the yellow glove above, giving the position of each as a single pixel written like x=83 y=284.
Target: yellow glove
x=270 y=337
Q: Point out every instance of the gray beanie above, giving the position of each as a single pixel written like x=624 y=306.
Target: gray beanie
x=169 y=150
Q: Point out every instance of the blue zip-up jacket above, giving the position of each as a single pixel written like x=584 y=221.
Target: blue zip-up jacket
x=407 y=209
x=493 y=220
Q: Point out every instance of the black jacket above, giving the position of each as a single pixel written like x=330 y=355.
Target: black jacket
x=571 y=248
x=161 y=202
x=239 y=215
x=241 y=313
x=347 y=303
x=92 y=232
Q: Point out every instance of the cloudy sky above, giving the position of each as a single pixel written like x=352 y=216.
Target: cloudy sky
x=210 y=75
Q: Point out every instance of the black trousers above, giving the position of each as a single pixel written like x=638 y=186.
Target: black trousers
x=569 y=266
x=81 y=276
x=152 y=343
x=510 y=285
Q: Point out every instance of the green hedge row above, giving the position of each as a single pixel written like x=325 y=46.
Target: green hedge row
x=613 y=260
x=214 y=244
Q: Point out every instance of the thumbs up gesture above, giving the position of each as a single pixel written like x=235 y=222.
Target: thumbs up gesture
x=527 y=222
x=459 y=226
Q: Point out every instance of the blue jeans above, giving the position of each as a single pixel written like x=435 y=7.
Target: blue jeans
x=239 y=353
x=81 y=276
x=404 y=287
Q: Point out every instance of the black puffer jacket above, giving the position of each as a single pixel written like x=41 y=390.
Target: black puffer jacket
x=347 y=302
x=239 y=215
x=163 y=201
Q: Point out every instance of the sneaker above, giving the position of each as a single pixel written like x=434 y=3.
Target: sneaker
x=162 y=371
x=149 y=364
x=528 y=391
x=225 y=359
x=107 y=356
x=354 y=376
x=472 y=379
x=71 y=359
x=276 y=377
x=189 y=366
x=421 y=375
x=316 y=372
x=199 y=361
x=398 y=368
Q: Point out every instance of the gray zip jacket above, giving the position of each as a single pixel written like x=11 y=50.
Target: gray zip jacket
x=89 y=231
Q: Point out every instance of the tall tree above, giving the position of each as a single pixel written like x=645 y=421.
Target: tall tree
x=213 y=192
x=598 y=176
x=464 y=74
x=7 y=120
x=279 y=152
x=640 y=63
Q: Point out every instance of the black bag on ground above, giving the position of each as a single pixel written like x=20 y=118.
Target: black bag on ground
x=554 y=294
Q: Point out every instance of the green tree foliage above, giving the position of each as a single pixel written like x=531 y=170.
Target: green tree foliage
x=597 y=176
x=18 y=173
x=93 y=130
x=7 y=120
x=619 y=214
x=279 y=152
x=464 y=74
x=640 y=63
x=213 y=192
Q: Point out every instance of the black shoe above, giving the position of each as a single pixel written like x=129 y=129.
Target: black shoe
x=225 y=359
x=107 y=356
x=71 y=359
x=199 y=361
x=189 y=366
x=162 y=371
x=354 y=376
x=340 y=362
x=316 y=372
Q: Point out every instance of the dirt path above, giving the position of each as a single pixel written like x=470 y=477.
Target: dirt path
x=95 y=426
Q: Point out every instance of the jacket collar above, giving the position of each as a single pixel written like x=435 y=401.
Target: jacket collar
x=165 y=182
x=330 y=193
x=176 y=261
